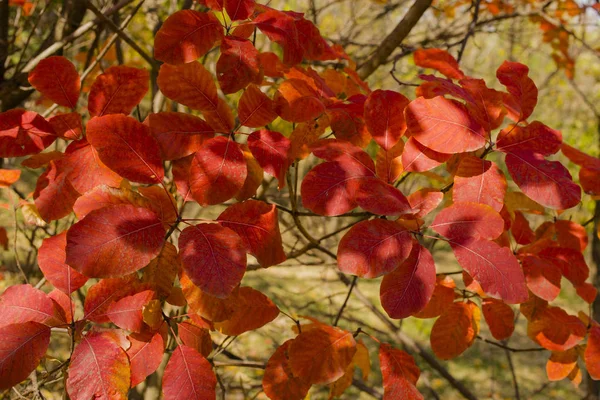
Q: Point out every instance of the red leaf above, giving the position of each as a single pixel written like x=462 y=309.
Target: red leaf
x=57 y=79
x=213 y=257
x=543 y=278
x=51 y=260
x=321 y=355
x=24 y=303
x=499 y=317
x=464 y=221
x=579 y=157
x=238 y=65
x=443 y=125
x=272 y=151
x=101 y=295
x=255 y=108
x=329 y=189
x=63 y=305
x=239 y=9
x=376 y=196
x=178 y=134
x=279 y=383
x=67 y=126
x=399 y=373
x=114 y=241
x=189 y=84
x=408 y=289
x=24 y=132
x=535 y=137
x=442 y=298
x=253 y=310
x=455 y=330
x=494 y=267
x=484 y=104
x=373 y=248
x=555 y=330
x=127 y=147
x=205 y=305
x=54 y=194
x=220 y=118
x=21 y=350
x=296 y=101
x=195 y=337
x=479 y=181
x=384 y=116
x=118 y=90
x=418 y=158
x=592 y=353
x=281 y=28
x=522 y=89
x=99 y=369
x=186 y=35
x=104 y=196
x=389 y=163
x=145 y=355
x=571 y=263
x=257 y=225
x=547 y=182
x=587 y=292
x=424 y=201
x=126 y=313
x=218 y=171
x=188 y=376
x=254 y=177
x=521 y=230
x=440 y=60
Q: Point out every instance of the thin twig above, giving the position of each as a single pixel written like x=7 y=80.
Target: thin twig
x=339 y=314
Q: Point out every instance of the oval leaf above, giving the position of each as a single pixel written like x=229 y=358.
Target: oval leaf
x=57 y=79
x=188 y=376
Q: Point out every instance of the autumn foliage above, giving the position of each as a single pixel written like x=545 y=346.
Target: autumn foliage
x=127 y=180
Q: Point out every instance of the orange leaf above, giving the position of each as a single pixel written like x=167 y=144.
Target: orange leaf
x=118 y=90
x=399 y=373
x=210 y=307
x=57 y=79
x=442 y=298
x=561 y=364
x=592 y=353
x=296 y=101
x=189 y=84
x=162 y=270
x=555 y=330
x=195 y=337
x=8 y=177
x=455 y=330
x=499 y=317
x=253 y=310
x=279 y=383
x=255 y=108
x=440 y=60
x=321 y=355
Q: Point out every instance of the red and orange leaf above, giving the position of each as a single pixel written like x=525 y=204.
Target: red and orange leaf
x=495 y=268
x=51 y=260
x=571 y=263
x=254 y=177
x=186 y=35
x=485 y=105
x=162 y=203
x=580 y=158
x=399 y=373
x=218 y=171
x=178 y=134
x=127 y=147
x=535 y=137
x=279 y=383
x=592 y=353
x=63 y=305
x=280 y=27
x=561 y=364
x=455 y=330
x=189 y=84
x=587 y=292
x=547 y=182
x=257 y=225
x=8 y=177
x=195 y=337
x=567 y=233
x=188 y=375
x=464 y=221
x=54 y=194
x=238 y=65
x=555 y=330
x=101 y=295
x=118 y=90
x=272 y=151
x=214 y=258
x=442 y=298
x=443 y=125
x=21 y=350
x=423 y=201
x=239 y=9
x=24 y=303
x=388 y=164
x=376 y=196
x=99 y=369
x=255 y=108
x=297 y=101
x=321 y=355
x=67 y=126
x=384 y=116
x=126 y=313
x=408 y=289
x=114 y=241
x=253 y=310
x=440 y=60
x=542 y=277
x=521 y=230
x=145 y=355
x=521 y=87
x=418 y=158
x=41 y=159
x=373 y=248
x=499 y=317
x=479 y=181
x=205 y=305
x=23 y=133
x=57 y=79
x=104 y=196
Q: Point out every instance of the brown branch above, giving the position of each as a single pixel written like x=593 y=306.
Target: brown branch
x=511 y=349
x=395 y=38
x=471 y=31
